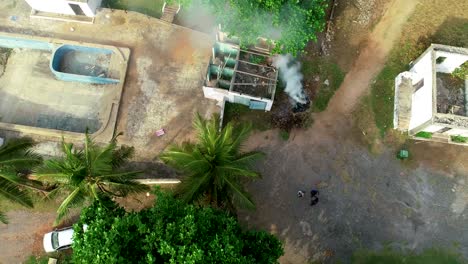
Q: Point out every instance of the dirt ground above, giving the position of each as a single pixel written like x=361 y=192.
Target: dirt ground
x=367 y=200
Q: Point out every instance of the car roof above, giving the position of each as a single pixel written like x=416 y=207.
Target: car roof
x=65 y=237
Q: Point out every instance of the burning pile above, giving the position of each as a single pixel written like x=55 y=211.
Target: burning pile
x=291 y=76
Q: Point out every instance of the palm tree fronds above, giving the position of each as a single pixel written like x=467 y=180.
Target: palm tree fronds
x=239 y=195
x=121 y=155
x=123 y=188
x=12 y=192
x=75 y=198
x=3 y=218
x=192 y=188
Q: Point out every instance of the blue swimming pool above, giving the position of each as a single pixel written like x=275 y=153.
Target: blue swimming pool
x=71 y=62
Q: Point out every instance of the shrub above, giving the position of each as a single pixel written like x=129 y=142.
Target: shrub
x=423 y=134
x=459 y=139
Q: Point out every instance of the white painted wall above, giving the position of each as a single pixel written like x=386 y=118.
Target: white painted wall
x=421 y=108
x=215 y=93
x=90 y=8
x=63 y=7
x=52 y=6
x=223 y=94
x=457 y=132
x=452 y=61
x=432 y=128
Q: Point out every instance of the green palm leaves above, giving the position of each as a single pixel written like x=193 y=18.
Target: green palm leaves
x=16 y=156
x=93 y=172
x=214 y=167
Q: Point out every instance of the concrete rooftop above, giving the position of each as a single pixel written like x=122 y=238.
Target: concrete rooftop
x=164 y=77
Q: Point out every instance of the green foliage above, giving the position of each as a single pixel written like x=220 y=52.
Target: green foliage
x=151 y=8
x=214 y=166
x=461 y=72
x=93 y=172
x=257 y=59
x=169 y=232
x=3 y=218
x=429 y=256
x=327 y=71
x=291 y=23
x=284 y=135
x=459 y=139
x=423 y=134
x=16 y=157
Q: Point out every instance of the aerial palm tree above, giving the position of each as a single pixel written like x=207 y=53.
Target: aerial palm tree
x=91 y=173
x=16 y=157
x=215 y=166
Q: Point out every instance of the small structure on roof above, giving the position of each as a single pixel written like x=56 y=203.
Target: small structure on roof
x=428 y=98
x=47 y=8
x=244 y=76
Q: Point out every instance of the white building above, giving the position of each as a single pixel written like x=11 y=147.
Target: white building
x=240 y=76
x=428 y=98
x=66 y=7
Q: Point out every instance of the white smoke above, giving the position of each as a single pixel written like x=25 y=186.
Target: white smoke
x=290 y=73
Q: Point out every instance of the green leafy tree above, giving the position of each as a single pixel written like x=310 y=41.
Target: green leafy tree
x=16 y=157
x=291 y=23
x=387 y=255
x=214 y=166
x=169 y=232
x=93 y=172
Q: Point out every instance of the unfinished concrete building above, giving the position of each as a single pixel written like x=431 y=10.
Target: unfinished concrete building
x=430 y=98
x=243 y=76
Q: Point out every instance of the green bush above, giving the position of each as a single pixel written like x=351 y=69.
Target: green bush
x=284 y=135
x=461 y=72
x=423 y=134
x=459 y=139
x=169 y=232
x=389 y=256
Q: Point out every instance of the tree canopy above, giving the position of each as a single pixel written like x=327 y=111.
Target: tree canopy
x=16 y=156
x=215 y=165
x=291 y=23
x=169 y=232
x=91 y=173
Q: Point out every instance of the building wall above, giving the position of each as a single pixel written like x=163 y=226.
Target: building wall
x=223 y=94
x=452 y=61
x=422 y=99
x=457 y=132
x=63 y=7
x=433 y=128
x=53 y=6
x=90 y=8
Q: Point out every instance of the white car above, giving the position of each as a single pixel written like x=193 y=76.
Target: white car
x=59 y=239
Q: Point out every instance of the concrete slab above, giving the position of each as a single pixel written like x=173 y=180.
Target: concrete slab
x=31 y=96
x=164 y=77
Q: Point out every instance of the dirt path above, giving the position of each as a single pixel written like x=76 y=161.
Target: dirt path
x=370 y=61
x=23 y=236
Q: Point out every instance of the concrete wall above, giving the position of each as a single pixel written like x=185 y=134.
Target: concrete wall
x=63 y=7
x=90 y=8
x=452 y=61
x=422 y=100
x=433 y=128
x=223 y=94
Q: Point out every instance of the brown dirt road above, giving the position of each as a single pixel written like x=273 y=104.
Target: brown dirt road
x=369 y=62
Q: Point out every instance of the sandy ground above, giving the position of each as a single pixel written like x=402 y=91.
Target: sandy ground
x=23 y=236
x=366 y=200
